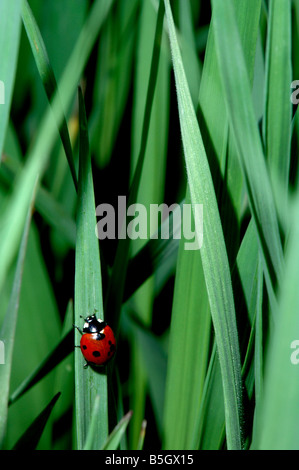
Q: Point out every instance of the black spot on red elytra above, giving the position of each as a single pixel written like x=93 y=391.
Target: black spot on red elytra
x=84 y=346
x=96 y=353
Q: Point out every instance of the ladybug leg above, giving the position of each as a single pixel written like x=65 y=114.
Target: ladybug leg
x=79 y=329
x=85 y=365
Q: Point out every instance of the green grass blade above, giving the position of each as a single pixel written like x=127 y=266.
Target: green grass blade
x=153 y=362
x=52 y=211
x=211 y=430
x=152 y=179
x=218 y=140
x=16 y=205
x=31 y=437
x=157 y=253
x=142 y=435
x=59 y=352
x=90 y=438
x=245 y=278
x=113 y=302
x=7 y=333
x=190 y=332
x=258 y=348
x=191 y=61
x=114 y=438
x=278 y=414
x=10 y=27
x=48 y=78
x=88 y=297
x=213 y=251
x=237 y=92
x=278 y=107
x=113 y=78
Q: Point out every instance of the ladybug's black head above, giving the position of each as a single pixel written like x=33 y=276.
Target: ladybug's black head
x=93 y=325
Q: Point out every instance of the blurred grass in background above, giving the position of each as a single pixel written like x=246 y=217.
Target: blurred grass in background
x=184 y=101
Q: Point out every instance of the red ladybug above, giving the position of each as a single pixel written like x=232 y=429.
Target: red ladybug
x=97 y=343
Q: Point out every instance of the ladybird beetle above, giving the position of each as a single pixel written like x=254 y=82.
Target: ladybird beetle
x=97 y=342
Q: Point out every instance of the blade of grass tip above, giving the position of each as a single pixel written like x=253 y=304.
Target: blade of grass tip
x=48 y=78
x=8 y=329
x=213 y=250
x=16 y=205
x=10 y=27
x=142 y=435
x=31 y=437
x=117 y=282
x=237 y=93
x=114 y=438
x=88 y=296
x=61 y=350
x=278 y=106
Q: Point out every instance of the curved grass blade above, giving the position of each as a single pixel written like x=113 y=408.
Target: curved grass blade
x=14 y=210
x=117 y=282
x=211 y=424
x=278 y=414
x=155 y=254
x=7 y=333
x=213 y=251
x=10 y=27
x=52 y=211
x=152 y=181
x=142 y=435
x=237 y=93
x=29 y=440
x=213 y=122
x=48 y=78
x=278 y=107
x=88 y=297
x=113 y=78
x=190 y=333
x=190 y=57
x=62 y=350
x=114 y=438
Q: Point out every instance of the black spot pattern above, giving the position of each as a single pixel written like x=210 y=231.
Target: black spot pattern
x=84 y=346
x=112 y=348
x=96 y=353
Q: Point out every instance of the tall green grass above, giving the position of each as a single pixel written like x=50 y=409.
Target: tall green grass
x=181 y=102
